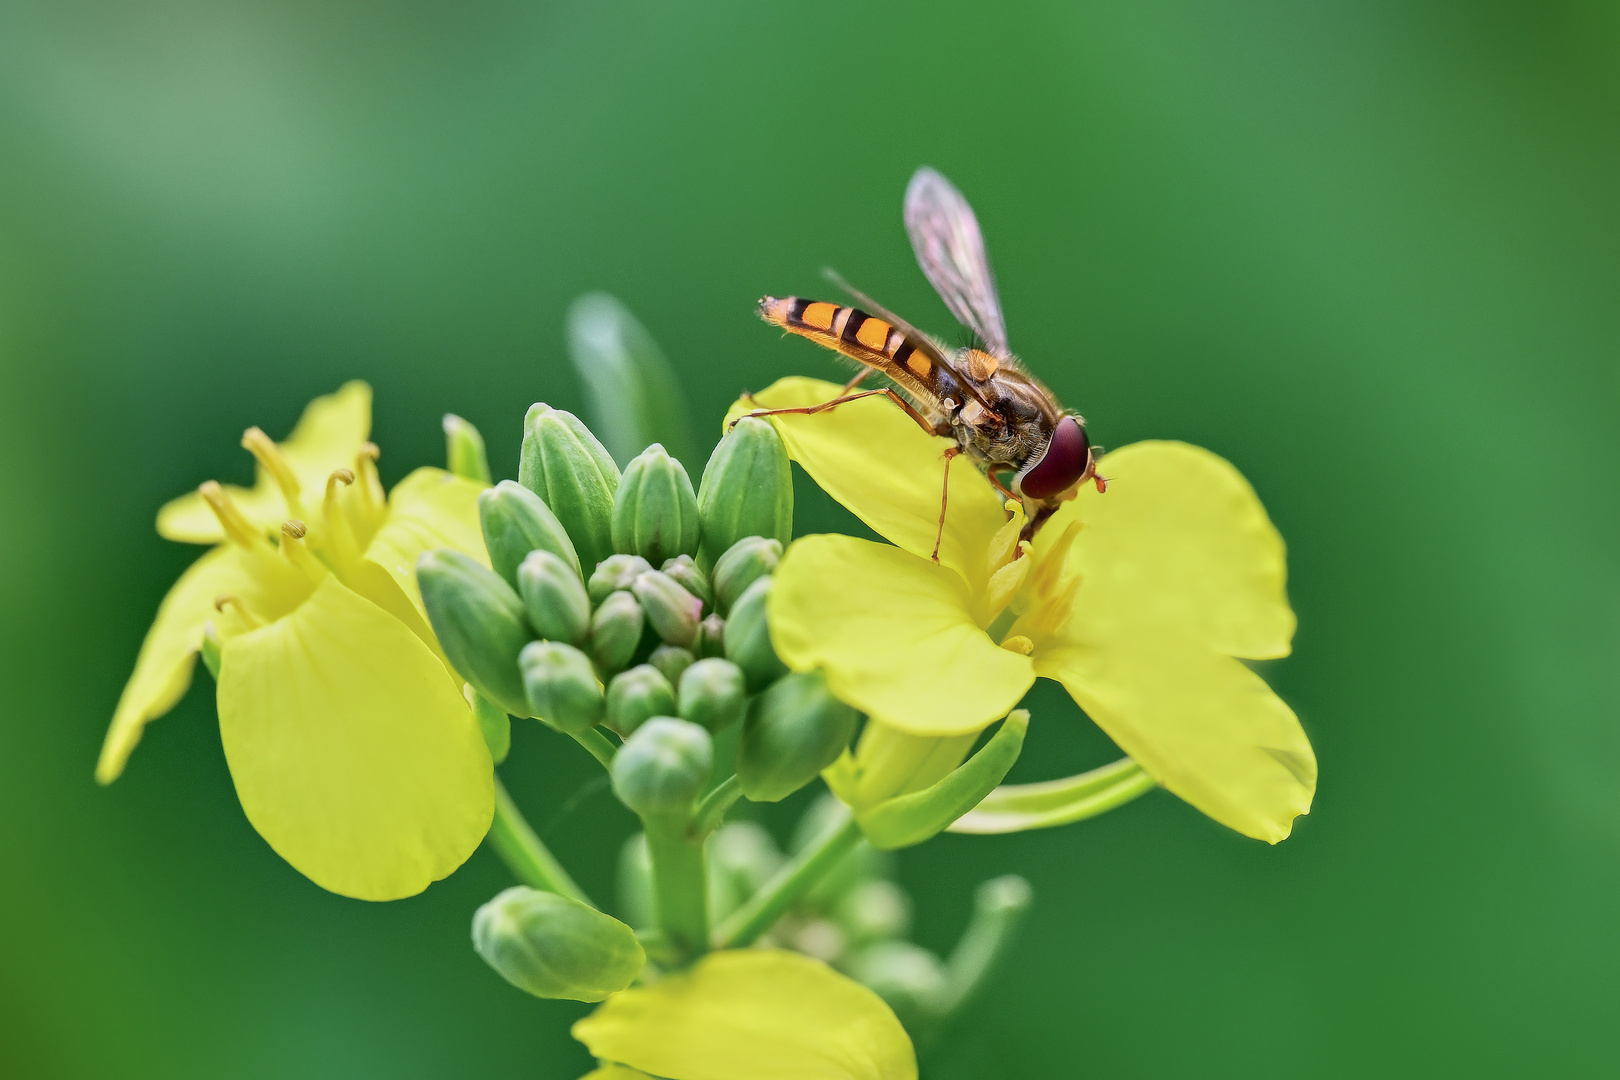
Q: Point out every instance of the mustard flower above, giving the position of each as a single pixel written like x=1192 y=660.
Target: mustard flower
x=1142 y=602
x=352 y=748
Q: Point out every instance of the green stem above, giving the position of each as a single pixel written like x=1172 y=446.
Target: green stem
x=791 y=882
x=712 y=810
x=680 y=883
x=524 y=853
x=998 y=909
x=597 y=743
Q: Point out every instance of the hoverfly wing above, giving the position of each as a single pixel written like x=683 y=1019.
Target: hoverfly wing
x=936 y=351
x=950 y=249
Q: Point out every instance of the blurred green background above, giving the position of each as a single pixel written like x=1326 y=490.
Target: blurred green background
x=1367 y=251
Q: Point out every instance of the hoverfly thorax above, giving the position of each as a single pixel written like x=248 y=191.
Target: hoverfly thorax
x=998 y=414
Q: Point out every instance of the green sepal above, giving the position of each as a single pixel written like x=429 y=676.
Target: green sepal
x=555 y=947
x=747 y=637
x=493 y=724
x=662 y=767
x=794 y=729
x=1018 y=807
x=212 y=649
x=693 y=580
x=712 y=692
x=747 y=488
x=554 y=598
x=672 y=611
x=613 y=573
x=636 y=696
x=616 y=629
x=516 y=521
x=744 y=563
x=910 y=819
x=561 y=686
x=464 y=453
x=479 y=622
x=672 y=660
x=655 y=511
x=563 y=463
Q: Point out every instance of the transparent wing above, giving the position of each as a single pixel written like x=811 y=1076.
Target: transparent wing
x=950 y=249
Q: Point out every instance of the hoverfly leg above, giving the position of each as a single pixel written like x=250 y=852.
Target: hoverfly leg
x=944 y=497
x=995 y=482
x=811 y=410
x=860 y=376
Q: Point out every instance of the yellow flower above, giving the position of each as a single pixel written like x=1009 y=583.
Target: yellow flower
x=352 y=749
x=749 y=1014
x=1137 y=601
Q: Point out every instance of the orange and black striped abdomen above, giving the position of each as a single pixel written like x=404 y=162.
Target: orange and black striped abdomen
x=853 y=332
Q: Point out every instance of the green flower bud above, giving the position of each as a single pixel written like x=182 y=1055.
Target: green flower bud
x=874 y=910
x=616 y=572
x=748 y=560
x=517 y=522
x=663 y=766
x=712 y=636
x=909 y=978
x=564 y=464
x=795 y=729
x=479 y=622
x=655 y=511
x=671 y=660
x=748 y=637
x=493 y=724
x=693 y=580
x=636 y=696
x=616 y=631
x=747 y=488
x=555 y=947
x=554 y=598
x=464 y=450
x=712 y=693
x=672 y=610
x=561 y=686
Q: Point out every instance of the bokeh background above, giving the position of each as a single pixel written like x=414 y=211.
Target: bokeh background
x=1366 y=250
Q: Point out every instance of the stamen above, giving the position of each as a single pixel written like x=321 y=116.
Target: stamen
x=1019 y=644
x=341 y=545
x=1005 y=582
x=231 y=519
x=269 y=455
x=242 y=611
x=365 y=470
x=297 y=552
x=1004 y=545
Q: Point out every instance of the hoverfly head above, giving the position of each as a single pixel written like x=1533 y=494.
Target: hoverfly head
x=1063 y=463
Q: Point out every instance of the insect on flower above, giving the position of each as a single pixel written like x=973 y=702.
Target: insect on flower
x=999 y=414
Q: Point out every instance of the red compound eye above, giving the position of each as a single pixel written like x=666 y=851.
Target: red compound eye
x=1065 y=461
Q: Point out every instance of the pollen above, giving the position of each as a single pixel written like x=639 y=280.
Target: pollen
x=1019 y=644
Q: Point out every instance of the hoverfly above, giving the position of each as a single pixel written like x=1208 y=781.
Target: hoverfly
x=1000 y=416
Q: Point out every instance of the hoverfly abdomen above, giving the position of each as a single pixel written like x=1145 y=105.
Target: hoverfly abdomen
x=859 y=336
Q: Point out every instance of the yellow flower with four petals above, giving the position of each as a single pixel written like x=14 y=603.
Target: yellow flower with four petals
x=1142 y=602
x=353 y=751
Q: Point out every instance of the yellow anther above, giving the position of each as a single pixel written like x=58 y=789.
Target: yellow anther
x=1019 y=644
x=269 y=456
x=242 y=611
x=231 y=519
x=341 y=546
x=297 y=552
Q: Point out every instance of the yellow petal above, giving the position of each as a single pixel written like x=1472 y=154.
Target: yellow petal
x=327 y=437
x=615 y=1072
x=1203 y=725
x=875 y=460
x=428 y=509
x=895 y=635
x=1178 y=544
x=353 y=752
x=753 y=1014
x=265 y=585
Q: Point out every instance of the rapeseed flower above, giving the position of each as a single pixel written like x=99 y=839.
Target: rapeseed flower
x=352 y=748
x=1142 y=602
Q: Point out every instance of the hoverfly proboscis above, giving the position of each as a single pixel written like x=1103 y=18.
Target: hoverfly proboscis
x=980 y=395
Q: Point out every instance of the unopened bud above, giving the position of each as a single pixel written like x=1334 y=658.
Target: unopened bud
x=655 y=511
x=663 y=766
x=747 y=488
x=616 y=631
x=564 y=464
x=561 y=686
x=748 y=637
x=745 y=562
x=693 y=580
x=795 y=729
x=636 y=696
x=554 y=598
x=671 y=660
x=672 y=611
x=616 y=572
x=712 y=636
x=479 y=622
x=555 y=947
x=712 y=694
x=516 y=521
x=464 y=450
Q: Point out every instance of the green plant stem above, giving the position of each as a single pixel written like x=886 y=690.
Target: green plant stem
x=998 y=909
x=597 y=743
x=712 y=810
x=680 y=883
x=762 y=910
x=524 y=853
